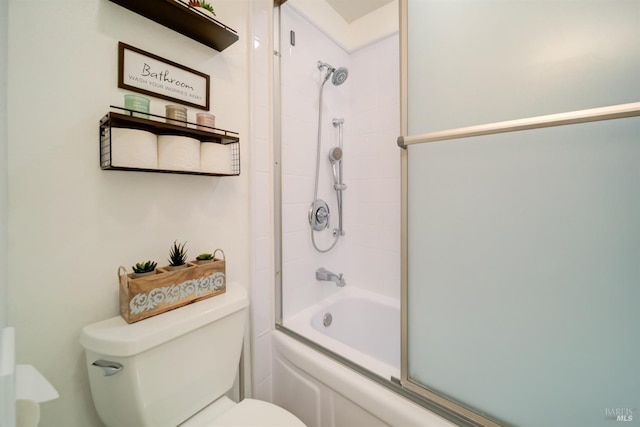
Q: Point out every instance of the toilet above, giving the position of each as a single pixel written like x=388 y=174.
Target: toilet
x=174 y=369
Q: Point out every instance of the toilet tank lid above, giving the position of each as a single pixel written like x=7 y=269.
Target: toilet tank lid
x=115 y=337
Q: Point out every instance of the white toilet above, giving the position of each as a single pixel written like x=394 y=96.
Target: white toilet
x=175 y=368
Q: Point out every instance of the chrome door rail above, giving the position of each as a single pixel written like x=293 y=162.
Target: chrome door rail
x=570 y=118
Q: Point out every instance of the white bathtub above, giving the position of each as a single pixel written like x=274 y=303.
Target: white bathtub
x=322 y=392
x=365 y=329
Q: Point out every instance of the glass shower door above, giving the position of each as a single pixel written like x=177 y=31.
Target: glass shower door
x=523 y=249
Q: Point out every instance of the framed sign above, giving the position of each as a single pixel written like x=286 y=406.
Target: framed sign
x=143 y=72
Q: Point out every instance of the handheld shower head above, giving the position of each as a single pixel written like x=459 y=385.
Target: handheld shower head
x=335 y=155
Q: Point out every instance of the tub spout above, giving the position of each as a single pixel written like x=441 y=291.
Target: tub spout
x=327 y=276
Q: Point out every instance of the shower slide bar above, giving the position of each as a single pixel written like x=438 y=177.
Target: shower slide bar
x=574 y=117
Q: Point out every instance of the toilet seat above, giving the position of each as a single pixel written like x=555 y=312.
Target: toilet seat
x=247 y=413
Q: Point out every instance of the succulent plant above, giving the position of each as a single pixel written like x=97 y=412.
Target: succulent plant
x=204 y=257
x=177 y=254
x=144 y=267
x=203 y=4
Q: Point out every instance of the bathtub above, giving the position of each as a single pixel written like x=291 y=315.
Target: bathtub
x=365 y=329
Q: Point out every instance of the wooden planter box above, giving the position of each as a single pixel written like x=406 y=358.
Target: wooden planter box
x=148 y=296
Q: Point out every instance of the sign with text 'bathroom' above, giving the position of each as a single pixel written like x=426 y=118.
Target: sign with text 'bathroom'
x=152 y=75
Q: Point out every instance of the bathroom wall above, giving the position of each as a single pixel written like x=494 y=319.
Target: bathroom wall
x=369 y=102
x=301 y=80
x=370 y=28
x=6 y=391
x=261 y=212
x=374 y=182
x=3 y=163
x=71 y=224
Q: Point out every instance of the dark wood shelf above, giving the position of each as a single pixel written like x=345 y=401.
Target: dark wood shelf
x=185 y=20
x=119 y=120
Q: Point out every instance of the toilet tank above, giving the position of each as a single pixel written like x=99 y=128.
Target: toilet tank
x=173 y=364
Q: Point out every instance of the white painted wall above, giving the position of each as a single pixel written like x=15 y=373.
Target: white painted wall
x=3 y=163
x=71 y=224
x=369 y=253
x=7 y=389
x=7 y=379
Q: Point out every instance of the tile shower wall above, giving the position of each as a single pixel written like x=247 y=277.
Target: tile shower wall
x=375 y=165
x=369 y=103
x=262 y=270
x=301 y=81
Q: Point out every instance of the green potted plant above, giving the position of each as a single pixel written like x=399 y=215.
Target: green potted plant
x=203 y=7
x=177 y=256
x=144 y=268
x=204 y=258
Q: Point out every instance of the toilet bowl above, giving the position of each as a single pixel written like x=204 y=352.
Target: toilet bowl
x=249 y=412
x=176 y=368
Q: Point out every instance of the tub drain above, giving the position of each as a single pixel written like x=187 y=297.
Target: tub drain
x=327 y=319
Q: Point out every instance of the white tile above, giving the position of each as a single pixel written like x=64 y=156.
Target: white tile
x=261 y=348
x=260 y=88
x=297 y=189
x=262 y=217
x=294 y=245
x=262 y=161
x=261 y=125
x=262 y=253
x=299 y=159
x=295 y=217
x=262 y=302
x=261 y=19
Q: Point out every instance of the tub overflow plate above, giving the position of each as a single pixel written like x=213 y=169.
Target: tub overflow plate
x=327 y=319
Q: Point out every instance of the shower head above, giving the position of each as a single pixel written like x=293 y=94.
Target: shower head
x=339 y=76
x=335 y=154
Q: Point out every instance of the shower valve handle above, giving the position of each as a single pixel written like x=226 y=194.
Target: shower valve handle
x=319 y=215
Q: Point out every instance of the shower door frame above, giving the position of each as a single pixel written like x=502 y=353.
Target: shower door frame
x=447 y=408
x=277 y=250
x=393 y=384
x=569 y=118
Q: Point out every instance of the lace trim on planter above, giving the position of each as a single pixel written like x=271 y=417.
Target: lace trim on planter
x=169 y=294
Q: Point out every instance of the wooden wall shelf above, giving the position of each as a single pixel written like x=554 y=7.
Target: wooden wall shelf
x=157 y=127
x=185 y=20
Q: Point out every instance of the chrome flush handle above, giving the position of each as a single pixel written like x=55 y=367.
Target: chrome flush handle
x=110 y=368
